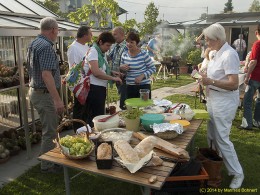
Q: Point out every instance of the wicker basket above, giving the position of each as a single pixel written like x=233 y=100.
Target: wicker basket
x=59 y=129
x=167 y=135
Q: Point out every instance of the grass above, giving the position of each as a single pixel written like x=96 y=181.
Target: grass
x=182 y=80
x=247 y=146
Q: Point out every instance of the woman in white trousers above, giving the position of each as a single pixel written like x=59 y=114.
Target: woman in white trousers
x=222 y=98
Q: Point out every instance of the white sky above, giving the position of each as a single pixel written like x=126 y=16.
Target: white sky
x=179 y=10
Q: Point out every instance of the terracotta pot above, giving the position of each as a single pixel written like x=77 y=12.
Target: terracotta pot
x=112 y=110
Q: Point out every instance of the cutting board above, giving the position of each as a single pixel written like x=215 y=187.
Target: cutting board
x=166 y=146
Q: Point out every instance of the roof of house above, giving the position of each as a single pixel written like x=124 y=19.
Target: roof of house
x=229 y=19
x=22 y=18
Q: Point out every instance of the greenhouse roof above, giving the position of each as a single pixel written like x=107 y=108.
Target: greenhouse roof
x=22 y=18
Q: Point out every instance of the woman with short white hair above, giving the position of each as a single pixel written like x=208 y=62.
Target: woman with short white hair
x=222 y=98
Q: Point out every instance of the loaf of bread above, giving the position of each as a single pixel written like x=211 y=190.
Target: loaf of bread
x=104 y=151
x=145 y=146
x=155 y=161
x=126 y=152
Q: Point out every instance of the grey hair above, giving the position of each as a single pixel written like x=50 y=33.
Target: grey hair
x=48 y=23
x=120 y=29
x=215 y=32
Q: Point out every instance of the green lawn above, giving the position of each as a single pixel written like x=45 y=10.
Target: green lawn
x=247 y=145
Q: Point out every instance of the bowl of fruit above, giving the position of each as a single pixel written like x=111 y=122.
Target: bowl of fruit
x=76 y=146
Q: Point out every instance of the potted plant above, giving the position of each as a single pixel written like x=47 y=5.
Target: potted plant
x=132 y=118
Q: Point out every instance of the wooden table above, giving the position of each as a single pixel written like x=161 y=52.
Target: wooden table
x=117 y=172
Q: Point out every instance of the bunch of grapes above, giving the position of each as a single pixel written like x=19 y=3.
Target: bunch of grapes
x=77 y=145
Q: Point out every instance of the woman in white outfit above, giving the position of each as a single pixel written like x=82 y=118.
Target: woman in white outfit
x=222 y=98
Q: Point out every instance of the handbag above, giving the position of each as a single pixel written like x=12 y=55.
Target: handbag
x=78 y=82
x=212 y=163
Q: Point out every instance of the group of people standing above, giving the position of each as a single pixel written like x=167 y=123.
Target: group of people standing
x=130 y=71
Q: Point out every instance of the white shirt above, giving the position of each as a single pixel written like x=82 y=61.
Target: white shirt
x=93 y=55
x=76 y=52
x=225 y=62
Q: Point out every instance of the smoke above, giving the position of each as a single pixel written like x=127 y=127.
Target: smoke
x=173 y=43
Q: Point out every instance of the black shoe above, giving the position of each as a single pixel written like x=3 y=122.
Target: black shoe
x=244 y=128
x=54 y=169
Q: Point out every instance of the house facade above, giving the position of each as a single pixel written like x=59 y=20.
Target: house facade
x=234 y=23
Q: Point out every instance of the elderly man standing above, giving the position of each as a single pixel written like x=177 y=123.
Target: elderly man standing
x=115 y=55
x=44 y=83
x=76 y=52
x=240 y=46
x=252 y=81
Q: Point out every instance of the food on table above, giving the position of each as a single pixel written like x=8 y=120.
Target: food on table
x=155 y=161
x=110 y=123
x=153 y=110
x=170 y=116
x=104 y=151
x=144 y=94
x=116 y=134
x=145 y=146
x=152 y=179
x=77 y=146
x=184 y=123
x=126 y=152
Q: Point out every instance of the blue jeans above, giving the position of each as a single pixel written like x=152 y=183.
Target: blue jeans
x=248 y=100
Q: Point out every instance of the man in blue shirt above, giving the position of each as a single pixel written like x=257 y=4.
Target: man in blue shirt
x=115 y=56
x=153 y=46
x=44 y=74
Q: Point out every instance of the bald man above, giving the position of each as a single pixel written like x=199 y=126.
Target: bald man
x=115 y=56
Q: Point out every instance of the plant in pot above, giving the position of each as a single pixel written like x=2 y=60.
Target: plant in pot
x=132 y=118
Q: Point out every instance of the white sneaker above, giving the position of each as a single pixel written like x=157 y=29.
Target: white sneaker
x=237 y=181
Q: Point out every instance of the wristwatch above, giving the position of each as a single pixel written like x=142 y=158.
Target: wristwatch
x=213 y=82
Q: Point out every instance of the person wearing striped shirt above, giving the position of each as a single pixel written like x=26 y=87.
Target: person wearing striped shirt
x=138 y=66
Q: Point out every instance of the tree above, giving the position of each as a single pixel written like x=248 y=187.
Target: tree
x=228 y=6
x=128 y=25
x=255 y=6
x=150 y=15
x=102 y=9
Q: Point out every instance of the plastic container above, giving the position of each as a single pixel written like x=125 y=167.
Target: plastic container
x=144 y=94
x=150 y=119
x=184 y=123
x=104 y=163
x=110 y=123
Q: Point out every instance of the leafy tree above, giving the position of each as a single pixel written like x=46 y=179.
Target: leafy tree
x=255 y=6
x=128 y=25
x=228 y=6
x=150 y=15
x=100 y=8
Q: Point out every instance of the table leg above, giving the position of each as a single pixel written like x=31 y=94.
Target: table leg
x=146 y=190
x=66 y=180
